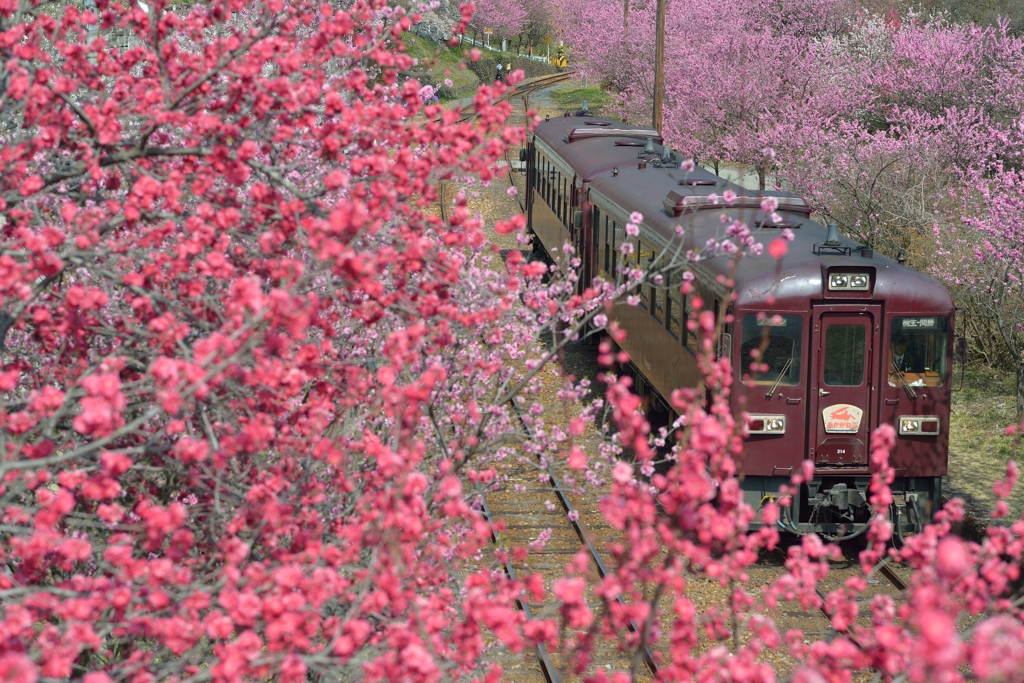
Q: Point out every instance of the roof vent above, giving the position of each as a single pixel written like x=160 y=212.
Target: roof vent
x=832 y=239
x=649 y=147
x=832 y=244
x=636 y=133
x=677 y=203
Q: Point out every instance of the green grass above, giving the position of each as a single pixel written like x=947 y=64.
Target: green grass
x=978 y=445
x=572 y=96
x=443 y=62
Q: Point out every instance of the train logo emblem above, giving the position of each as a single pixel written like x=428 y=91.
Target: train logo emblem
x=842 y=418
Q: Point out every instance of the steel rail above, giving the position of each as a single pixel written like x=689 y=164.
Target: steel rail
x=523 y=89
x=547 y=667
x=581 y=533
x=893 y=578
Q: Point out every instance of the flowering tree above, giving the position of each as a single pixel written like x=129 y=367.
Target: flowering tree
x=980 y=256
x=506 y=19
x=251 y=383
x=246 y=373
x=739 y=79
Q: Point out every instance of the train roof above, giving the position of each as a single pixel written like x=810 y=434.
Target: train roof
x=669 y=197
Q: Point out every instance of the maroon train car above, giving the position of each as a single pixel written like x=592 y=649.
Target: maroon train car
x=851 y=339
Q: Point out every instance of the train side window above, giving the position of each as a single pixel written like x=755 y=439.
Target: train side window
x=563 y=199
x=595 y=226
x=540 y=176
x=690 y=340
x=644 y=256
x=674 y=306
x=609 y=248
x=917 y=350
x=776 y=340
x=844 y=355
x=542 y=169
x=658 y=298
x=556 y=193
x=567 y=204
x=554 y=175
x=617 y=235
x=547 y=182
x=552 y=186
x=628 y=259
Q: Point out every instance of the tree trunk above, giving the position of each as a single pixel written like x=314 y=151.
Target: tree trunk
x=761 y=174
x=1020 y=388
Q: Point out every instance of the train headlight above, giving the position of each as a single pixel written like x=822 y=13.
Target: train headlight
x=919 y=425
x=849 y=282
x=766 y=424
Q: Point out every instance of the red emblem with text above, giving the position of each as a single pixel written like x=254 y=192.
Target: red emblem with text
x=842 y=418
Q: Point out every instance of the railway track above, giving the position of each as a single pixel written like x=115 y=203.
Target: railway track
x=524 y=89
x=540 y=507
x=818 y=622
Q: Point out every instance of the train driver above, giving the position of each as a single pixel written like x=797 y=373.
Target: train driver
x=903 y=357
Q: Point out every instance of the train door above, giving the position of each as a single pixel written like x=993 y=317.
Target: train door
x=844 y=385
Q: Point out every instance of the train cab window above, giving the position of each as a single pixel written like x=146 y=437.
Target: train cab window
x=917 y=351
x=775 y=341
x=844 y=355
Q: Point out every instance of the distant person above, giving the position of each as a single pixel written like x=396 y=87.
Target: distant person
x=498 y=77
x=903 y=357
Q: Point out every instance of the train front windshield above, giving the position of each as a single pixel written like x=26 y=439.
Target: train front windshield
x=772 y=341
x=917 y=351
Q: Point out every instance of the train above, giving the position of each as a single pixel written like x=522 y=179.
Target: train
x=848 y=338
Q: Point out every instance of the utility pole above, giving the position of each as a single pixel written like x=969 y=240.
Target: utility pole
x=659 y=65
x=625 y=13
